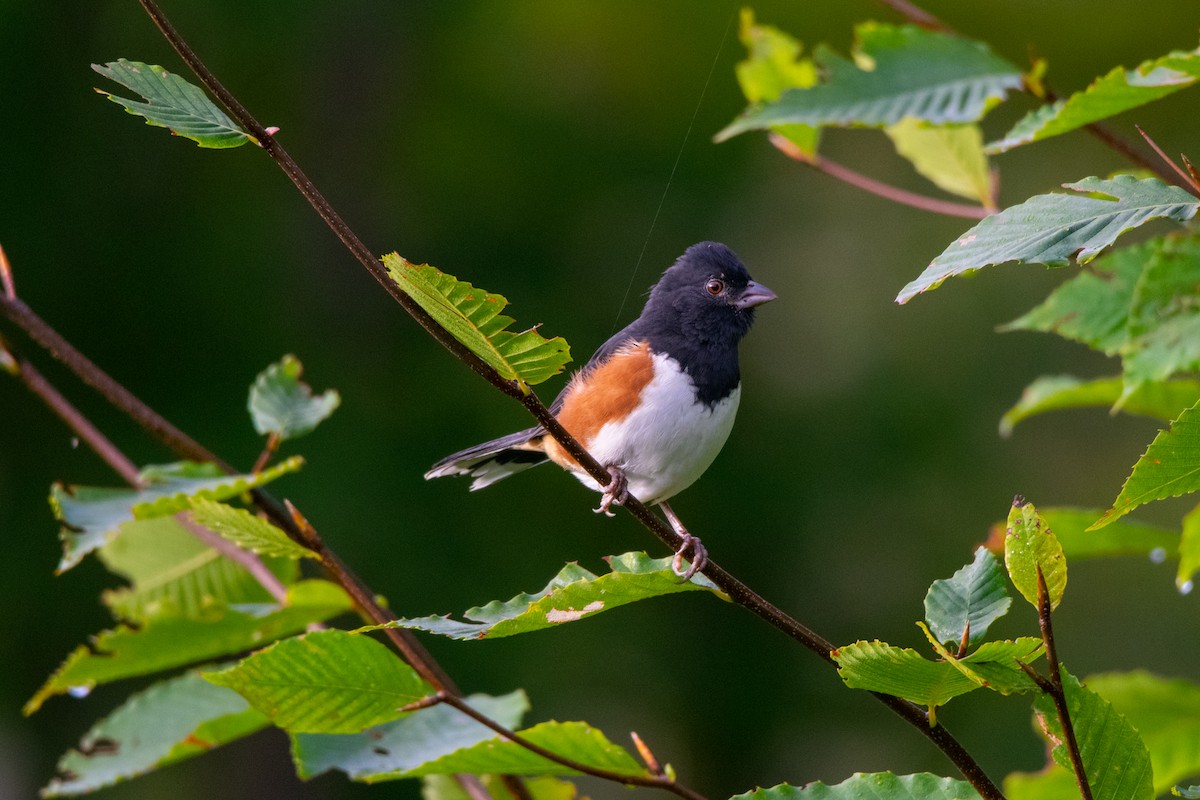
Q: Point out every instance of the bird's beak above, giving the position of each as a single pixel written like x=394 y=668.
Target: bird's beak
x=755 y=294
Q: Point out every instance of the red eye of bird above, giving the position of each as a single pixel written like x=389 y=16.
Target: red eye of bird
x=715 y=286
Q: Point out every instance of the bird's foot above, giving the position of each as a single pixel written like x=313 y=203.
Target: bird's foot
x=699 y=558
x=615 y=493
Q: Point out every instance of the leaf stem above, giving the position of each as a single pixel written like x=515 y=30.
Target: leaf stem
x=1189 y=180
x=655 y=782
x=878 y=188
x=1055 y=687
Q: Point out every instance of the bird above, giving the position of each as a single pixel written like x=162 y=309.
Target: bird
x=656 y=402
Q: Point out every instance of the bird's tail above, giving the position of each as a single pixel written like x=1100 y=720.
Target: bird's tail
x=495 y=460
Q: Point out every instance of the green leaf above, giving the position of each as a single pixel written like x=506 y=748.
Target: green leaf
x=575 y=740
x=1093 y=307
x=1115 y=759
x=1163 y=317
x=168 y=722
x=473 y=317
x=175 y=574
x=774 y=65
x=383 y=752
x=949 y=156
x=1112 y=94
x=1166 y=714
x=969 y=601
x=1052 y=228
x=880 y=667
x=173 y=103
x=1189 y=551
x=246 y=530
x=167 y=642
x=1124 y=538
x=1163 y=400
x=574 y=593
x=871 y=786
x=283 y=405
x=325 y=682
x=905 y=72
x=542 y=787
x=91 y=516
x=1029 y=544
x=1169 y=468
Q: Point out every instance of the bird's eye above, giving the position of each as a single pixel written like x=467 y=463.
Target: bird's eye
x=715 y=286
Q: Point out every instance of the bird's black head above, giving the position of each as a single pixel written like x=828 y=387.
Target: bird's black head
x=706 y=297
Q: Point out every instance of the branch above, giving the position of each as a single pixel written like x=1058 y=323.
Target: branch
x=884 y=190
x=1055 y=688
x=738 y=591
x=656 y=782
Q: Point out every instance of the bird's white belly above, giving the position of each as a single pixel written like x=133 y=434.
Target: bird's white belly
x=668 y=441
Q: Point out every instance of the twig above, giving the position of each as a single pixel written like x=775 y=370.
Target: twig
x=878 y=188
x=1188 y=179
x=734 y=588
x=265 y=456
x=249 y=561
x=1055 y=688
x=6 y=276
x=917 y=16
x=83 y=428
x=657 y=781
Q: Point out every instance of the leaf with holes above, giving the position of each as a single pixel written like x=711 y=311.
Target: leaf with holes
x=871 y=786
x=1118 y=91
x=172 y=102
x=906 y=72
x=1052 y=229
x=92 y=516
x=388 y=750
x=574 y=593
x=473 y=317
x=171 y=721
x=1169 y=468
x=283 y=405
x=968 y=602
x=325 y=682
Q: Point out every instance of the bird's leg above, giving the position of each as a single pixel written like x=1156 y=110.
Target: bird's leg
x=690 y=542
x=615 y=493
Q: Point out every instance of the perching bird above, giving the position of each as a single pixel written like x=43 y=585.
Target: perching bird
x=655 y=403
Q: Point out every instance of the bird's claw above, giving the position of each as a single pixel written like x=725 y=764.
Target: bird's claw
x=699 y=557
x=615 y=493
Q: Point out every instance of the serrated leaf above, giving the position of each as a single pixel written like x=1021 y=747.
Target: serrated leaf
x=969 y=601
x=871 y=786
x=880 y=667
x=1030 y=545
x=907 y=72
x=1115 y=759
x=574 y=593
x=246 y=530
x=949 y=156
x=575 y=740
x=772 y=67
x=1051 y=229
x=1118 y=91
x=1169 y=468
x=91 y=516
x=542 y=787
x=1163 y=316
x=473 y=317
x=1163 y=400
x=1124 y=538
x=325 y=682
x=173 y=573
x=167 y=642
x=283 y=405
x=383 y=752
x=1166 y=714
x=168 y=722
x=172 y=102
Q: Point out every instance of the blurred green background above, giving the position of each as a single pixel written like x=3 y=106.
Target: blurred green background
x=526 y=147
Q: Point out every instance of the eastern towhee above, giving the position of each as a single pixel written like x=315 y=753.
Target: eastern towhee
x=655 y=403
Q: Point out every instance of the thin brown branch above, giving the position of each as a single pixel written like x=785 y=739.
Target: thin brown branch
x=736 y=590
x=878 y=188
x=1189 y=180
x=76 y=421
x=655 y=781
x=249 y=561
x=265 y=456
x=917 y=15
x=1056 y=691
x=6 y=277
